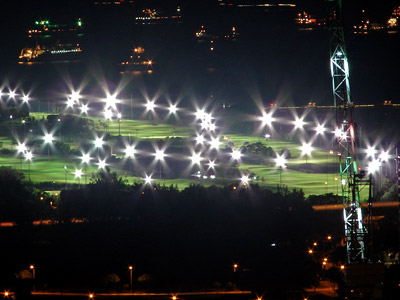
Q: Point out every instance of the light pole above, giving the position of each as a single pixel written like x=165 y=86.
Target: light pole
x=28 y=157
x=85 y=160
x=130 y=277
x=48 y=139
x=66 y=172
x=119 y=116
x=32 y=267
x=159 y=156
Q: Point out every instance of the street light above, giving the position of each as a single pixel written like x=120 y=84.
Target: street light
x=235 y=266
x=66 y=172
x=32 y=267
x=130 y=276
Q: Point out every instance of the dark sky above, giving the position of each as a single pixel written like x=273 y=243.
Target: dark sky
x=271 y=58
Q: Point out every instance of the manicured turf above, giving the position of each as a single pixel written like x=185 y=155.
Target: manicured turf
x=314 y=174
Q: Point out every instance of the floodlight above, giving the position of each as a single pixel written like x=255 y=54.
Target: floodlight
x=236 y=154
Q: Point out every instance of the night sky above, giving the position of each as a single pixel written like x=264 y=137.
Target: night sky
x=271 y=60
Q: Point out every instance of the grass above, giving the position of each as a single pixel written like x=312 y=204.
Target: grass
x=308 y=174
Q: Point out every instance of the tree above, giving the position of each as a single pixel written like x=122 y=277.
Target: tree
x=19 y=201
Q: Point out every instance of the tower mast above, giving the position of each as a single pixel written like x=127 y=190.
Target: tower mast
x=355 y=230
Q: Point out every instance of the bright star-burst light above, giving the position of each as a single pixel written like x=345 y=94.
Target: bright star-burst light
x=28 y=155
x=371 y=151
x=266 y=119
x=214 y=143
x=85 y=158
x=84 y=109
x=25 y=98
x=384 y=156
x=159 y=154
x=211 y=164
x=150 y=105
x=21 y=148
x=48 y=138
x=196 y=158
x=102 y=164
x=236 y=154
x=78 y=173
x=373 y=166
x=75 y=96
x=98 y=142
x=108 y=114
x=111 y=101
x=12 y=94
x=280 y=161
x=147 y=179
x=244 y=179
x=298 y=123
x=320 y=129
x=306 y=148
x=172 y=109
x=200 y=139
x=70 y=102
x=130 y=151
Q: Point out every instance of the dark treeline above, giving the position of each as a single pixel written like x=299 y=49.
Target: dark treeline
x=176 y=240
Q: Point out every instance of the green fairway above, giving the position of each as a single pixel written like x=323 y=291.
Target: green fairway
x=314 y=174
